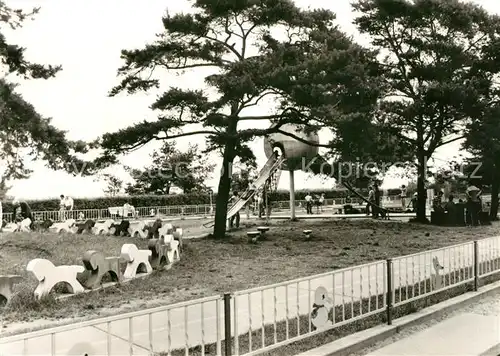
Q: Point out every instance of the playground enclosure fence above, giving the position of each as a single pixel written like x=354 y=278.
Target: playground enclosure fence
x=185 y=210
x=257 y=320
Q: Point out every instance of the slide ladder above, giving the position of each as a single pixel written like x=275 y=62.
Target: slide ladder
x=272 y=165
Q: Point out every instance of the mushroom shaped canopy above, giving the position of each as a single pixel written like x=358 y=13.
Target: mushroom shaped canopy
x=297 y=153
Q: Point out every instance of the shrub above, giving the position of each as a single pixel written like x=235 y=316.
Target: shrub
x=169 y=200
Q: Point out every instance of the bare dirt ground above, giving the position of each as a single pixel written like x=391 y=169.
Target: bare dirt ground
x=209 y=267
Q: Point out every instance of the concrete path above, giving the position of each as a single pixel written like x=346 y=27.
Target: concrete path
x=466 y=334
x=193 y=325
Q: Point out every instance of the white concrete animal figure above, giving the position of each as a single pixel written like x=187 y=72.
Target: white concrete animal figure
x=321 y=308
x=437 y=278
x=178 y=233
x=49 y=275
x=165 y=229
x=178 y=236
x=10 y=227
x=58 y=227
x=137 y=260
x=24 y=225
x=173 y=248
x=138 y=229
x=169 y=229
x=67 y=226
x=102 y=228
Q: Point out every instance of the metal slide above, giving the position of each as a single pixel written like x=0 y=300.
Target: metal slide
x=272 y=164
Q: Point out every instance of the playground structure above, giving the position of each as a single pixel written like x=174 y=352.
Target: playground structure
x=283 y=152
x=293 y=152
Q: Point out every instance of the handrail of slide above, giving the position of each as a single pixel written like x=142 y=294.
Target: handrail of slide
x=273 y=163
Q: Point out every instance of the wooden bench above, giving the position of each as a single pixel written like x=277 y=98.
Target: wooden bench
x=307 y=233
x=253 y=236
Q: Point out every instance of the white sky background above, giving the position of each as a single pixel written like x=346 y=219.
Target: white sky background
x=86 y=37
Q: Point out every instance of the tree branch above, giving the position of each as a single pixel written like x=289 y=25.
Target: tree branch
x=300 y=139
x=452 y=140
x=144 y=141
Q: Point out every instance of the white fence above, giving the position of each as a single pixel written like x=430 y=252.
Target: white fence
x=257 y=320
x=187 y=210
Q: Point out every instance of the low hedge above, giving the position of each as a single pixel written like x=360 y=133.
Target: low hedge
x=168 y=200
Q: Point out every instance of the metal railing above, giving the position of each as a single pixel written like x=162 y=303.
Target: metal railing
x=186 y=210
x=273 y=316
x=422 y=274
x=260 y=319
x=179 y=327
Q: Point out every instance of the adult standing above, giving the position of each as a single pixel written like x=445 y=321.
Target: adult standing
x=65 y=204
x=321 y=201
x=309 y=203
x=474 y=205
x=235 y=219
x=371 y=199
x=260 y=205
x=414 y=203
x=403 y=197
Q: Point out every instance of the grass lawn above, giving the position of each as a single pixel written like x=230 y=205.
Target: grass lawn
x=210 y=267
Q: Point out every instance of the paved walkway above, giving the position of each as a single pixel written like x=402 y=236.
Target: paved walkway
x=467 y=334
x=189 y=326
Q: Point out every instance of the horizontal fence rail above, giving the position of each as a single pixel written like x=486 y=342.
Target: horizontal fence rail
x=190 y=210
x=257 y=320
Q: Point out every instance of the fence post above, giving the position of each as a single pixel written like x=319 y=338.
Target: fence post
x=389 y=291
x=227 y=325
x=476 y=266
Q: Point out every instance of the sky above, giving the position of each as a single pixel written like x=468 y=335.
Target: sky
x=86 y=38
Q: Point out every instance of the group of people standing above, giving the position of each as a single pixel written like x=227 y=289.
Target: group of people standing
x=473 y=207
x=374 y=195
x=257 y=205
x=22 y=211
x=318 y=200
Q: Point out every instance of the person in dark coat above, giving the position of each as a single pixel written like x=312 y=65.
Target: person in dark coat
x=22 y=211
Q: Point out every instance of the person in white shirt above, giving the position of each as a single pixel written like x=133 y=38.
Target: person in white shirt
x=321 y=202
x=65 y=204
x=129 y=211
x=309 y=202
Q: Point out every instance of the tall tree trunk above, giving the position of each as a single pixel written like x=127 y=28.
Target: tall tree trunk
x=495 y=188
x=222 y=198
x=422 y=194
